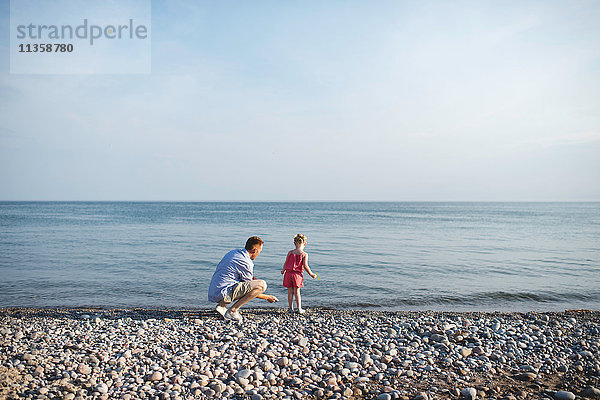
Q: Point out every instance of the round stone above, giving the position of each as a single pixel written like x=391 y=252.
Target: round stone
x=102 y=388
x=283 y=362
x=562 y=395
x=155 y=376
x=465 y=352
x=351 y=365
x=84 y=369
x=591 y=393
x=468 y=393
x=244 y=373
x=218 y=387
x=526 y=377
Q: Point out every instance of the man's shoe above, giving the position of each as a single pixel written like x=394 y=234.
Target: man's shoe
x=301 y=311
x=233 y=316
x=221 y=310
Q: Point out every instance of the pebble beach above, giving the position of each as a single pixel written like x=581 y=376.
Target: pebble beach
x=323 y=354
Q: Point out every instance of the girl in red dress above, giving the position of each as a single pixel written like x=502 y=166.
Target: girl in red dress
x=296 y=262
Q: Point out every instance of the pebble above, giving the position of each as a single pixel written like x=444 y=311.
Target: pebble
x=102 y=388
x=84 y=369
x=283 y=362
x=526 y=376
x=244 y=373
x=465 y=352
x=218 y=387
x=563 y=395
x=155 y=376
x=591 y=392
x=469 y=393
x=421 y=396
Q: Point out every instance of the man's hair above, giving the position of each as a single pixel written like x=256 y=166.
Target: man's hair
x=253 y=242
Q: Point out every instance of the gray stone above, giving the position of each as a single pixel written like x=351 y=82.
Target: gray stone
x=365 y=359
x=283 y=362
x=218 y=387
x=525 y=377
x=351 y=365
x=438 y=338
x=469 y=393
x=421 y=396
x=528 y=368
x=562 y=395
x=591 y=393
x=243 y=373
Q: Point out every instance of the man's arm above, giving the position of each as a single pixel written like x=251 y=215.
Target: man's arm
x=268 y=297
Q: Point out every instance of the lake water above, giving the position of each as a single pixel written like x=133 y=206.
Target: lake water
x=393 y=256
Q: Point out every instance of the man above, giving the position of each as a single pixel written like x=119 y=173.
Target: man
x=234 y=280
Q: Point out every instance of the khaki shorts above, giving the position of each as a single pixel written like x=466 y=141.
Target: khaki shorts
x=238 y=291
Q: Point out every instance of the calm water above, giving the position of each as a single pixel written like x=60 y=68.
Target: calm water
x=439 y=256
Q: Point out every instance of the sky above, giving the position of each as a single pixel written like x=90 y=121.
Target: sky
x=321 y=100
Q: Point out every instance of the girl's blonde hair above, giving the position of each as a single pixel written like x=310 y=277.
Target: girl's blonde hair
x=299 y=238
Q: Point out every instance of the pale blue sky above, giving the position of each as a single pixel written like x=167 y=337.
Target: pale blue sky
x=321 y=100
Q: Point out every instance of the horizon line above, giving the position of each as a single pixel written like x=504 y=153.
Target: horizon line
x=299 y=201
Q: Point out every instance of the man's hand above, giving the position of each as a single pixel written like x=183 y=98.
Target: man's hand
x=271 y=299
x=268 y=297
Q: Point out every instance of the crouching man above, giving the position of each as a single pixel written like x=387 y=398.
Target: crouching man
x=233 y=281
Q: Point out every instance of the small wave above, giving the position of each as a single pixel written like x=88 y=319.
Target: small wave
x=500 y=299
x=498 y=296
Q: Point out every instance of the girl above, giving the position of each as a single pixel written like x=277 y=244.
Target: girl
x=295 y=262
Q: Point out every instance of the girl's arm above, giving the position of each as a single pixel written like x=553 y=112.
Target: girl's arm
x=307 y=268
x=285 y=262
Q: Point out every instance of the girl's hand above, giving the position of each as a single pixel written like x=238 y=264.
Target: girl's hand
x=313 y=275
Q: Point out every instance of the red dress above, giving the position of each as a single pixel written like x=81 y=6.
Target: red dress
x=294 y=265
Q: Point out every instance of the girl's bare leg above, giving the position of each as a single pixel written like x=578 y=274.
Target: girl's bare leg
x=298 y=298
x=290 y=297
